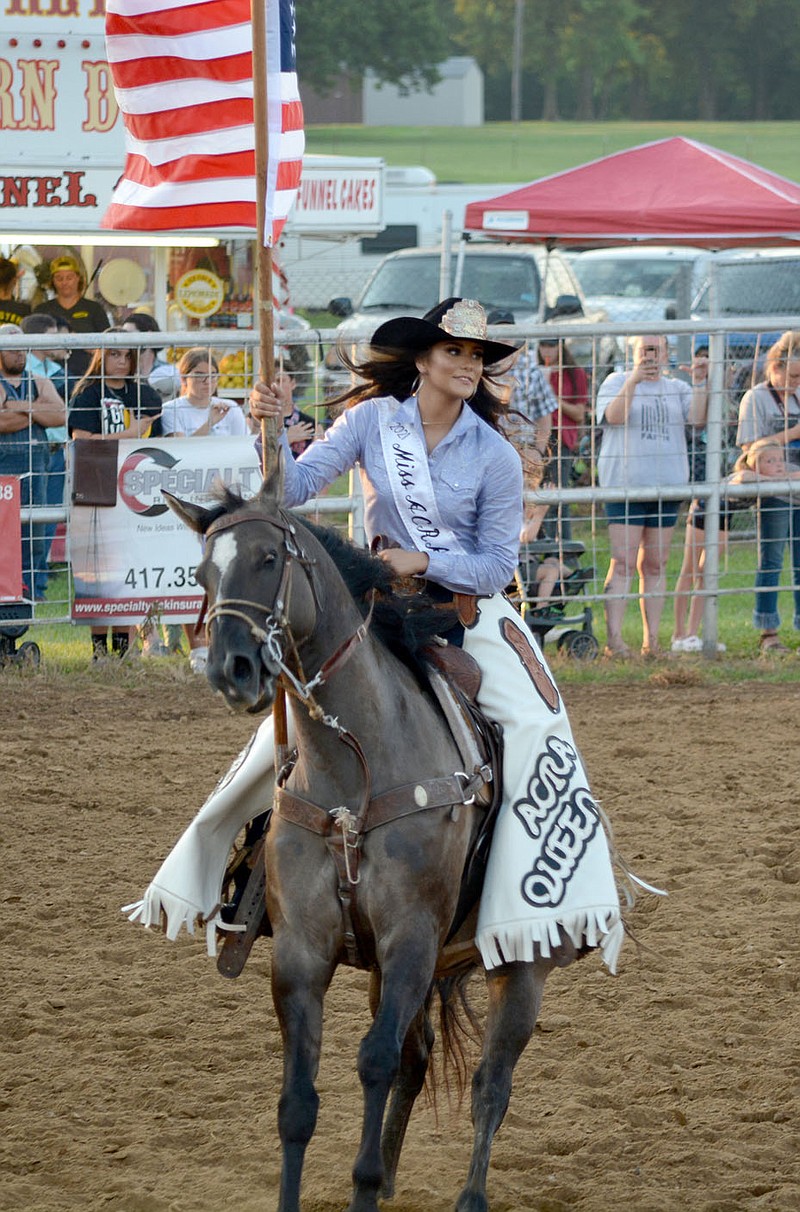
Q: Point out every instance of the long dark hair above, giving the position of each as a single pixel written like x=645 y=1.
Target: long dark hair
x=565 y=357
x=393 y=372
x=96 y=367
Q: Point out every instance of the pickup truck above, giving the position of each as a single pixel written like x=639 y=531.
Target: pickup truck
x=526 y=284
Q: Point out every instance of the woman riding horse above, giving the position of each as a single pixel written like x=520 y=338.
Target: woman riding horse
x=443 y=500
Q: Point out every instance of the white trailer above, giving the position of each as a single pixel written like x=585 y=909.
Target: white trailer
x=321 y=267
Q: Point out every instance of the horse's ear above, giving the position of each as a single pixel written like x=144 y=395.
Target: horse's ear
x=271 y=489
x=196 y=517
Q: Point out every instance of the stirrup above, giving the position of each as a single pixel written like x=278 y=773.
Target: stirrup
x=248 y=909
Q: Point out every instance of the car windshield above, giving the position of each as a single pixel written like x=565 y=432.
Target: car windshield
x=412 y=283
x=407 y=283
x=626 y=278
x=757 y=288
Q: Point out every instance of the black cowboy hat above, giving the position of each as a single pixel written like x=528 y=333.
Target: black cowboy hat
x=461 y=318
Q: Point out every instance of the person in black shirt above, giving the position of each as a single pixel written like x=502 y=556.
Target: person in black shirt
x=68 y=280
x=110 y=402
x=12 y=310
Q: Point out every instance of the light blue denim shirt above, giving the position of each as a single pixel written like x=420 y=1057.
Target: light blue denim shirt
x=477 y=480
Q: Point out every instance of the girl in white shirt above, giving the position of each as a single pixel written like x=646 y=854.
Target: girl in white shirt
x=197 y=412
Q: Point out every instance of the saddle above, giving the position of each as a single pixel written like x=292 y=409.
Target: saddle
x=454 y=678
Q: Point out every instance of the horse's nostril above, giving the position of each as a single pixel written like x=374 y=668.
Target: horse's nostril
x=242 y=669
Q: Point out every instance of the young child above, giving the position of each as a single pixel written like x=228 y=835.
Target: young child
x=550 y=569
x=765 y=459
x=547 y=571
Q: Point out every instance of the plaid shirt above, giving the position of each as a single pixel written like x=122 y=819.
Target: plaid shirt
x=531 y=394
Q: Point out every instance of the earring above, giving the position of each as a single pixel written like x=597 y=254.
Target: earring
x=415 y=386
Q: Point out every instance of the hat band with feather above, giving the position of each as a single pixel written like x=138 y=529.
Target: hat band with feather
x=461 y=319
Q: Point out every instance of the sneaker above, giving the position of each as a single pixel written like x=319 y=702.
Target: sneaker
x=688 y=643
x=99 y=648
x=120 y=643
x=198 y=659
x=693 y=643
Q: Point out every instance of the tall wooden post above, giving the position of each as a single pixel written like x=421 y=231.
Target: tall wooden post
x=270 y=429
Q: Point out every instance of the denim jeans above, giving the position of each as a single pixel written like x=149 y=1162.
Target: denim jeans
x=778 y=523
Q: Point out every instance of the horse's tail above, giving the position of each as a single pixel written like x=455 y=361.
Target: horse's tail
x=459 y=1032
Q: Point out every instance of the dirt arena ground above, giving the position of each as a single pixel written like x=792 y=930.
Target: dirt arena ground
x=135 y=1079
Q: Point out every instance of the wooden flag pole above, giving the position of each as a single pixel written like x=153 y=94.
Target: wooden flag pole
x=270 y=428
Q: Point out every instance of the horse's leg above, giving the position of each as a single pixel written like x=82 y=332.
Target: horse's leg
x=299 y=981
x=410 y=1080
x=514 y=995
x=406 y=975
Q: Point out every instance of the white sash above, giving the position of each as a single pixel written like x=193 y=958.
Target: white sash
x=406 y=462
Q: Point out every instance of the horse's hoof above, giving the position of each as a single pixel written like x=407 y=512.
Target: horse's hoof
x=472 y=1201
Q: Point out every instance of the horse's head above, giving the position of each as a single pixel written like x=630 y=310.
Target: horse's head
x=261 y=597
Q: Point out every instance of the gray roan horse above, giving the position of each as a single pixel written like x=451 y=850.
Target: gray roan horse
x=280 y=607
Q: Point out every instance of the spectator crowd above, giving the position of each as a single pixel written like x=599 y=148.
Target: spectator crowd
x=637 y=431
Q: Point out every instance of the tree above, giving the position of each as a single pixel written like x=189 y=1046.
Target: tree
x=599 y=45
x=690 y=59
x=400 y=43
x=486 y=31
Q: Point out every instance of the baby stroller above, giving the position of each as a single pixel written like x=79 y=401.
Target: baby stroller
x=572 y=625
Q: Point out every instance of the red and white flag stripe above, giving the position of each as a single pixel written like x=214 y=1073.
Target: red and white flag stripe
x=183 y=77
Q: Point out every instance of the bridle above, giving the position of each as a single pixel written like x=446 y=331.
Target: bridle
x=275 y=637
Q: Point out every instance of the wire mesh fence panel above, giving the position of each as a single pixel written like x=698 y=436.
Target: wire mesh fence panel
x=579 y=505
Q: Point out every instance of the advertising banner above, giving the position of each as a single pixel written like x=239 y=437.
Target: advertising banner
x=338 y=196
x=10 y=540
x=136 y=558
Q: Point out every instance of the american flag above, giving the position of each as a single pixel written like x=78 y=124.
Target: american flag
x=183 y=77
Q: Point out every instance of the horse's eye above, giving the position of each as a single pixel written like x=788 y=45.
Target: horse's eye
x=269 y=557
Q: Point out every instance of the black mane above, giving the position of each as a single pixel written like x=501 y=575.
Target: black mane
x=404 y=624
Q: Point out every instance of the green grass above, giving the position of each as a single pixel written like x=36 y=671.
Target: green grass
x=319 y=319
x=502 y=152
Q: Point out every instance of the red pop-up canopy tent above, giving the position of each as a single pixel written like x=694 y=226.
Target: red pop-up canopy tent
x=673 y=191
